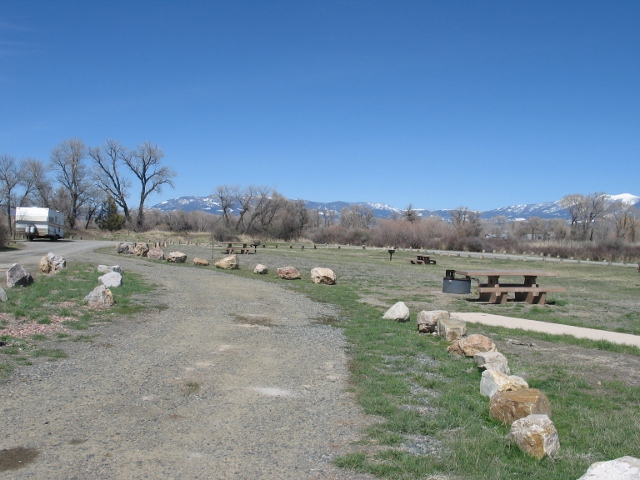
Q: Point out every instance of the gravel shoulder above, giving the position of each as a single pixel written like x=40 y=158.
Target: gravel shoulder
x=234 y=379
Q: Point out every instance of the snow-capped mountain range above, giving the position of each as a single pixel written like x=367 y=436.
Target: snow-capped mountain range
x=382 y=210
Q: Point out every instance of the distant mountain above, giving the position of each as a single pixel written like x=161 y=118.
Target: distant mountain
x=382 y=210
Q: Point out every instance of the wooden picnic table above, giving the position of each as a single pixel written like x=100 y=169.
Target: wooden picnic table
x=529 y=291
x=243 y=250
x=423 y=259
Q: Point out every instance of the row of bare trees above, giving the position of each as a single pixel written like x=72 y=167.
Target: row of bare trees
x=261 y=212
x=80 y=180
x=255 y=211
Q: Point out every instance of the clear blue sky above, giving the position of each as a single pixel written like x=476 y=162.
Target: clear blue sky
x=435 y=104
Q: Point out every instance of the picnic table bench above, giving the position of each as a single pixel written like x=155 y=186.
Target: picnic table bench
x=423 y=260
x=495 y=292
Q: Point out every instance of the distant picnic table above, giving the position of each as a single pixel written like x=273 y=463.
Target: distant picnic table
x=423 y=260
x=243 y=248
x=529 y=291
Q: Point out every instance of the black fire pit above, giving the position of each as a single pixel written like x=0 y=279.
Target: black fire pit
x=451 y=284
x=391 y=252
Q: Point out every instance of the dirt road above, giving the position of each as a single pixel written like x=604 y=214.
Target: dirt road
x=236 y=379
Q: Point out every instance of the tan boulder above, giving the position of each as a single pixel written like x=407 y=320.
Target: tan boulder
x=493 y=382
x=155 y=253
x=177 y=257
x=289 y=273
x=451 y=328
x=428 y=320
x=230 y=262
x=141 y=250
x=45 y=265
x=324 y=276
x=476 y=343
x=507 y=407
x=52 y=263
x=536 y=435
x=201 y=262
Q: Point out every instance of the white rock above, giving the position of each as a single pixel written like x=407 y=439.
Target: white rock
x=493 y=382
x=399 y=312
x=623 y=468
x=111 y=279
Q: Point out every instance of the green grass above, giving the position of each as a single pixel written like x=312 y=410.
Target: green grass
x=49 y=353
x=433 y=421
x=191 y=388
x=60 y=296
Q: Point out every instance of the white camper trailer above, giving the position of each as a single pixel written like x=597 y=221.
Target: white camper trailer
x=35 y=222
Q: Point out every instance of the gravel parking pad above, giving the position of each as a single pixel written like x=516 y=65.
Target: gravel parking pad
x=234 y=379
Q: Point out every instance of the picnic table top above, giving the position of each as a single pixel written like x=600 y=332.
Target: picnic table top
x=506 y=273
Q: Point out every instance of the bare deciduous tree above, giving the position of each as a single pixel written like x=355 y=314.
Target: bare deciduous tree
x=466 y=222
x=67 y=161
x=108 y=177
x=624 y=217
x=146 y=164
x=225 y=195
x=356 y=216
x=38 y=188
x=10 y=178
x=410 y=214
x=584 y=212
x=261 y=196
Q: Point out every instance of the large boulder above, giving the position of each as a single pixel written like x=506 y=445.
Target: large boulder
x=125 y=247
x=536 y=435
x=45 y=266
x=623 y=468
x=428 y=320
x=230 y=262
x=492 y=361
x=155 y=253
x=399 y=312
x=111 y=280
x=493 y=382
x=177 y=257
x=324 y=276
x=261 y=269
x=100 y=297
x=469 y=346
x=289 y=273
x=17 y=276
x=141 y=249
x=52 y=263
x=200 y=262
x=451 y=328
x=507 y=407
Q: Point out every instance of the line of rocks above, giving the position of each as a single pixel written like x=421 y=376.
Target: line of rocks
x=512 y=402
x=319 y=275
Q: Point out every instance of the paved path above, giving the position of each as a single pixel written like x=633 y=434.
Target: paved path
x=552 y=328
